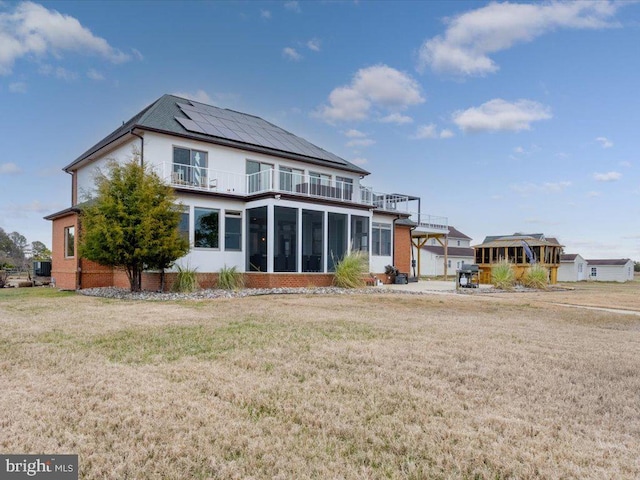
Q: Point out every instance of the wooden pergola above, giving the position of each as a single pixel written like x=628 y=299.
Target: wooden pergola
x=420 y=239
x=513 y=248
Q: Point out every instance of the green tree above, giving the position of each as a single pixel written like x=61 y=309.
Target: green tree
x=39 y=251
x=636 y=267
x=132 y=223
x=12 y=247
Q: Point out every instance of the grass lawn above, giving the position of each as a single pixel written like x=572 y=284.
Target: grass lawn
x=310 y=386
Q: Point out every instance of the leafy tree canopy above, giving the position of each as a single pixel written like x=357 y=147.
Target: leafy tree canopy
x=132 y=223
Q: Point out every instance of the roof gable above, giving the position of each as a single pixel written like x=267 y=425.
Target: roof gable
x=455 y=233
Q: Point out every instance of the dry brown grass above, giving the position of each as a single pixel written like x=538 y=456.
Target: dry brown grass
x=353 y=387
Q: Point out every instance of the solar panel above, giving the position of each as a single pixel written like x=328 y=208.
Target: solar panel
x=218 y=122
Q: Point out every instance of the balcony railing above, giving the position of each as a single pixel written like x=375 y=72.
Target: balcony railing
x=271 y=180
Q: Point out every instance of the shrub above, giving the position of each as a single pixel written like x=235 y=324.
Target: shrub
x=502 y=275
x=186 y=280
x=230 y=279
x=536 y=276
x=351 y=269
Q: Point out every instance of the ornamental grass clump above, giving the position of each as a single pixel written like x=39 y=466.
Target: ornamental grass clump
x=351 y=269
x=536 y=276
x=186 y=280
x=503 y=276
x=230 y=279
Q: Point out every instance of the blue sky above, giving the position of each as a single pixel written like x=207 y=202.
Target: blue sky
x=504 y=117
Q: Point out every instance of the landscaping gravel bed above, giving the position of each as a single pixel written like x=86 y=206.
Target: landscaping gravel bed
x=124 y=294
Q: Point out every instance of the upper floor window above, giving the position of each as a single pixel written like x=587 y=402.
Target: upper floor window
x=458 y=242
x=69 y=242
x=189 y=167
x=259 y=176
x=344 y=187
x=206 y=222
x=290 y=179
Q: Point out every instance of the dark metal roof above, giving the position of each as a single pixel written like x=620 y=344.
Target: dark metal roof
x=189 y=119
x=608 y=262
x=452 y=251
x=528 y=237
x=455 y=233
x=568 y=257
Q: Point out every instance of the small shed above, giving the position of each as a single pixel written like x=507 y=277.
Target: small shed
x=521 y=250
x=573 y=268
x=610 y=270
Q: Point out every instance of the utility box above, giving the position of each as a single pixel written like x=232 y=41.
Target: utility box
x=42 y=268
x=402 y=279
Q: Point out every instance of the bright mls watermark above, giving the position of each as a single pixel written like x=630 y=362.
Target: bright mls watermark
x=52 y=467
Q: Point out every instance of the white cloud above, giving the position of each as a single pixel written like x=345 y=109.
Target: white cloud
x=397 y=118
x=314 y=44
x=607 y=177
x=431 y=131
x=353 y=133
x=518 y=150
x=292 y=6
x=604 y=142
x=470 y=38
x=291 y=54
x=426 y=131
x=593 y=194
x=500 y=115
x=626 y=164
x=446 y=133
x=359 y=161
x=9 y=169
x=199 y=96
x=361 y=142
x=32 y=29
x=265 y=14
x=57 y=72
x=93 y=74
x=528 y=188
x=18 y=87
x=377 y=86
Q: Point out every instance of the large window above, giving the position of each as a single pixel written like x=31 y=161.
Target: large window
x=259 y=176
x=337 y=230
x=381 y=239
x=344 y=187
x=205 y=228
x=291 y=179
x=69 y=242
x=312 y=240
x=233 y=231
x=285 y=234
x=189 y=167
x=360 y=233
x=257 y=239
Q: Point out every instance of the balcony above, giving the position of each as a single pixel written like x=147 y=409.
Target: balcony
x=271 y=180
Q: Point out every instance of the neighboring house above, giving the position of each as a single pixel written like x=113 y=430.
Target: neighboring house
x=573 y=268
x=433 y=258
x=518 y=249
x=610 y=270
x=285 y=210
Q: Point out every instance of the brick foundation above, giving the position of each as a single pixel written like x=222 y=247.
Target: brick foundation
x=402 y=248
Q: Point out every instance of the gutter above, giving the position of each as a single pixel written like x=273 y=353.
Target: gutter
x=141 y=145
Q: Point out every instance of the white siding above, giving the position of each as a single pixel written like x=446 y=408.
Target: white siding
x=612 y=273
x=574 y=271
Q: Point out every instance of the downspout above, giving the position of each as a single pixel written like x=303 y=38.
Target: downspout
x=141 y=145
x=413 y=259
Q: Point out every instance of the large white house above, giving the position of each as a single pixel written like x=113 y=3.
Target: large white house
x=255 y=197
x=433 y=258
